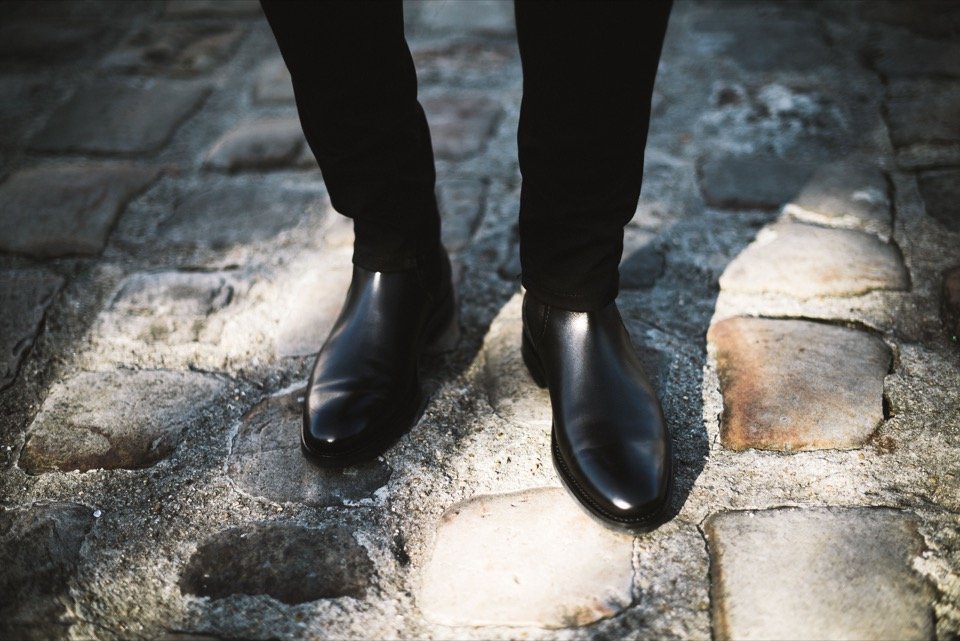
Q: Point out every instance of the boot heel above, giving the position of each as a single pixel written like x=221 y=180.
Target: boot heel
x=532 y=361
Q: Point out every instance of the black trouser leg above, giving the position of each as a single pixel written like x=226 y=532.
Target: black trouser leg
x=588 y=73
x=356 y=92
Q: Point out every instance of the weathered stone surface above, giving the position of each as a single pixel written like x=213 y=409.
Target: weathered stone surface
x=265 y=460
x=461 y=59
x=806 y=261
x=228 y=215
x=845 y=195
x=950 y=309
x=525 y=558
x=460 y=202
x=166 y=308
x=181 y=49
x=291 y=563
x=899 y=54
x=642 y=263
x=758 y=40
x=670 y=191
x=923 y=111
x=797 y=385
x=941 y=195
x=35 y=41
x=211 y=8
x=116 y=419
x=39 y=552
x=59 y=210
x=933 y=18
x=25 y=295
x=460 y=124
x=818 y=574
x=482 y=16
x=121 y=116
x=263 y=144
x=752 y=182
x=273 y=83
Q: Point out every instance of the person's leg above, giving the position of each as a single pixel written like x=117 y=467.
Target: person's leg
x=588 y=72
x=356 y=93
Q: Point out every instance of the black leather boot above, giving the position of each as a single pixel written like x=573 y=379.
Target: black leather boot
x=364 y=391
x=610 y=443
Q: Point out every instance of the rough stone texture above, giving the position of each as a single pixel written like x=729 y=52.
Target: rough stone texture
x=39 y=552
x=950 y=308
x=817 y=574
x=463 y=59
x=211 y=8
x=797 y=385
x=806 y=261
x=526 y=558
x=228 y=215
x=25 y=295
x=928 y=17
x=64 y=209
x=273 y=83
x=178 y=49
x=121 y=116
x=291 y=563
x=642 y=263
x=460 y=123
x=460 y=202
x=263 y=144
x=920 y=111
x=941 y=196
x=115 y=419
x=265 y=460
x=22 y=41
x=481 y=16
x=846 y=194
x=752 y=182
x=899 y=54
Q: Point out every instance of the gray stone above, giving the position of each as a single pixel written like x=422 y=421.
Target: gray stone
x=670 y=191
x=752 y=182
x=291 y=563
x=807 y=261
x=526 y=558
x=642 y=263
x=263 y=144
x=116 y=419
x=480 y=16
x=181 y=49
x=25 y=295
x=950 y=308
x=265 y=460
x=797 y=385
x=846 y=194
x=941 y=196
x=44 y=42
x=211 y=8
x=462 y=60
x=818 y=574
x=59 y=210
x=165 y=308
x=229 y=215
x=460 y=123
x=40 y=547
x=898 y=54
x=460 y=202
x=273 y=84
x=121 y=116
x=934 y=18
x=923 y=112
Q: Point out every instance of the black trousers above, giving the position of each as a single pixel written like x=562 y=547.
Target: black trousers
x=588 y=74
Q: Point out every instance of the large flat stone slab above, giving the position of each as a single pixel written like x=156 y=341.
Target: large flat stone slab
x=25 y=295
x=116 y=419
x=125 y=116
x=752 y=182
x=807 y=261
x=265 y=460
x=40 y=548
x=184 y=49
x=65 y=209
x=525 y=558
x=845 y=194
x=797 y=385
x=291 y=563
x=941 y=196
x=263 y=144
x=822 y=573
x=460 y=124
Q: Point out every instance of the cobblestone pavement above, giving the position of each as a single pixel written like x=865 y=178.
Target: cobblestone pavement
x=169 y=262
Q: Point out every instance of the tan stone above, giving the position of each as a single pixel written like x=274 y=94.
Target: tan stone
x=807 y=261
x=797 y=385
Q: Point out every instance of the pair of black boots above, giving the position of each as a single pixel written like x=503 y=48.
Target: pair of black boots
x=610 y=444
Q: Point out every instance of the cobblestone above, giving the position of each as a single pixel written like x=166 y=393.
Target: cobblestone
x=941 y=192
x=752 y=182
x=273 y=84
x=796 y=385
x=25 y=296
x=63 y=209
x=461 y=203
x=460 y=124
x=817 y=574
x=265 y=144
x=176 y=49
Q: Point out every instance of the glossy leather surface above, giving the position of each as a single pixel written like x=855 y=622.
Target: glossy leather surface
x=610 y=443
x=364 y=391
